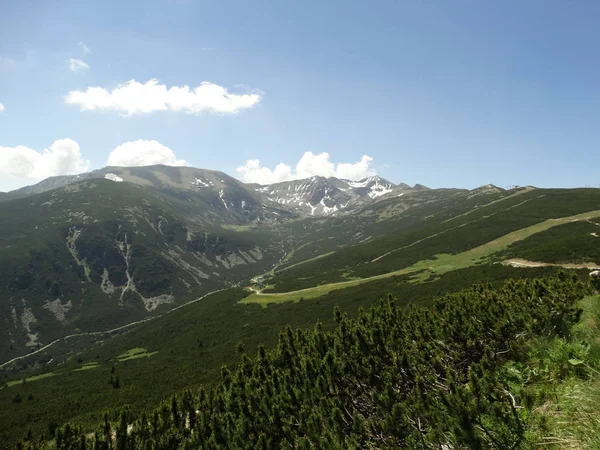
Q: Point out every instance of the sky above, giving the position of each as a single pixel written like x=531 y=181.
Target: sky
x=445 y=94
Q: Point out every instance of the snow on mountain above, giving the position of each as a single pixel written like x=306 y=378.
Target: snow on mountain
x=113 y=177
x=318 y=196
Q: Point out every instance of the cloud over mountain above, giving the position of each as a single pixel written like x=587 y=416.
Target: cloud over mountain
x=309 y=165
x=21 y=165
x=143 y=153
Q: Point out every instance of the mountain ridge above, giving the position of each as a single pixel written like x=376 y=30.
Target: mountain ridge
x=307 y=197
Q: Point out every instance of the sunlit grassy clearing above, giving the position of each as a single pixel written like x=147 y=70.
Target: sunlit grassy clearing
x=305 y=261
x=440 y=264
x=135 y=353
x=239 y=228
x=87 y=366
x=27 y=380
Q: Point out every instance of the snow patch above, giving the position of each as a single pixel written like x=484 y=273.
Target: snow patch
x=221 y=195
x=327 y=209
x=358 y=184
x=198 y=182
x=377 y=190
x=113 y=177
x=74 y=234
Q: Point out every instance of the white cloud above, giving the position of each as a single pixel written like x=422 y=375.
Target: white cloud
x=309 y=165
x=22 y=165
x=143 y=153
x=133 y=98
x=76 y=65
x=84 y=48
x=2 y=108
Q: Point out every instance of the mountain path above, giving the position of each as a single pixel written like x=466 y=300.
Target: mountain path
x=456 y=227
x=98 y=333
x=518 y=262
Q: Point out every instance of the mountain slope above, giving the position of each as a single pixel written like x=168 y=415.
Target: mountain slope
x=228 y=195
x=423 y=231
x=96 y=254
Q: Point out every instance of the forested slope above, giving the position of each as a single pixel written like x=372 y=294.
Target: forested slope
x=423 y=377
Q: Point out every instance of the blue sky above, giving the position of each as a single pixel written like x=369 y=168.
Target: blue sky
x=447 y=94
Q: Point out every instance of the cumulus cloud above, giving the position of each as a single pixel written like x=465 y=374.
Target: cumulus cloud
x=309 y=165
x=75 y=65
x=84 y=48
x=143 y=153
x=2 y=108
x=133 y=98
x=22 y=165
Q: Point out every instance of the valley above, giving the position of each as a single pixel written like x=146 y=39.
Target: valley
x=156 y=277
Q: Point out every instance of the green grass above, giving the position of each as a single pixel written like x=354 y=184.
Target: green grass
x=305 y=294
x=87 y=366
x=568 y=416
x=135 y=353
x=439 y=265
x=305 y=261
x=30 y=379
x=239 y=228
x=574 y=421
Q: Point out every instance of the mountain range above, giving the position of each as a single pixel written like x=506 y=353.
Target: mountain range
x=97 y=266
x=99 y=250
x=312 y=196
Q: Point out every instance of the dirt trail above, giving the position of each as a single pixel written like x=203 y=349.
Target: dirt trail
x=459 y=226
x=99 y=333
x=518 y=262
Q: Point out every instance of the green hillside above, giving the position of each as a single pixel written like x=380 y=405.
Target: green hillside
x=188 y=348
x=469 y=372
x=397 y=247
